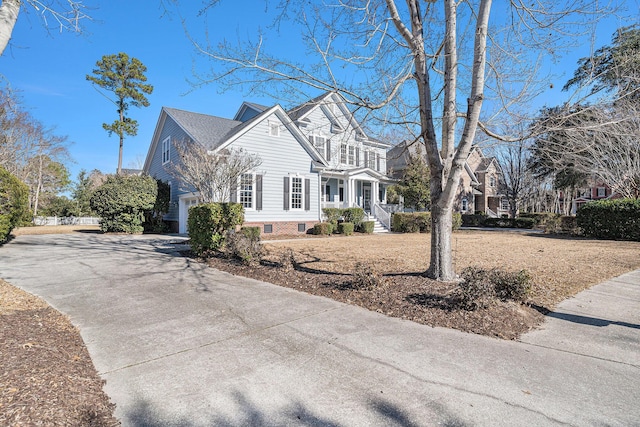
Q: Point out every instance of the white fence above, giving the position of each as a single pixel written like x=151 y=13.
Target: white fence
x=68 y=220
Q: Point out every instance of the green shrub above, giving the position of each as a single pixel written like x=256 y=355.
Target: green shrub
x=333 y=215
x=474 y=220
x=323 y=229
x=14 y=203
x=509 y=222
x=561 y=225
x=610 y=219
x=244 y=245
x=456 y=221
x=353 y=215
x=367 y=227
x=475 y=290
x=208 y=224
x=512 y=286
x=479 y=287
x=153 y=218
x=366 y=277
x=121 y=202
x=403 y=222
x=345 y=228
x=539 y=218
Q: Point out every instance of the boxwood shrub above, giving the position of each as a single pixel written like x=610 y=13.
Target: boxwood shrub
x=367 y=227
x=323 y=229
x=345 y=228
x=353 y=215
x=610 y=219
x=208 y=224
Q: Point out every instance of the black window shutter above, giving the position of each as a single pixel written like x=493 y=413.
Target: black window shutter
x=286 y=193
x=328 y=151
x=233 y=197
x=378 y=162
x=258 y=192
x=366 y=159
x=357 y=156
x=307 y=195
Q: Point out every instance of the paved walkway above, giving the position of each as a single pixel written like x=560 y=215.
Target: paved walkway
x=183 y=345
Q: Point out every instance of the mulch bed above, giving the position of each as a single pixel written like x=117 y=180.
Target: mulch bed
x=47 y=376
x=405 y=295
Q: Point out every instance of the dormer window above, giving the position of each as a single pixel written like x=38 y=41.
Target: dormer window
x=336 y=128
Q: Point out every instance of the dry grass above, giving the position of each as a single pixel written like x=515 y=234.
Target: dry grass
x=560 y=266
x=53 y=229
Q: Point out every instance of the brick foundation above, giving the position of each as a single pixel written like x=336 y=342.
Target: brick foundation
x=282 y=227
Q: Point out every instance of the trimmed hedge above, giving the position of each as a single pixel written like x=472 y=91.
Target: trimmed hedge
x=610 y=219
x=323 y=229
x=122 y=201
x=14 y=203
x=411 y=222
x=208 y=224
x=482 y=220
x=346 y=228
x=367 y=227
x=353 y=215
x=333 y=215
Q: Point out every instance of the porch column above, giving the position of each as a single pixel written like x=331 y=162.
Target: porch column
x=375 y=189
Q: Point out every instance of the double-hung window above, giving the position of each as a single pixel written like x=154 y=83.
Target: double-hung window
x=352 y=155
x=166 y=150
x=297 y=195
x=246 y=191
x=343 y=153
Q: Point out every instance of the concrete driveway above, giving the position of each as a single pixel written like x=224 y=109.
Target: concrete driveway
x=184 y=345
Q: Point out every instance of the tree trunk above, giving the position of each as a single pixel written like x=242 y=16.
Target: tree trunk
x=119 y=171
x=8 y=16
x=441 y=264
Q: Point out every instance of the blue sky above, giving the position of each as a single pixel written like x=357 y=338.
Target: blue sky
x=48 y=70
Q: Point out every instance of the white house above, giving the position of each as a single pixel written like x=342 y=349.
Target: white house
x=313 y=156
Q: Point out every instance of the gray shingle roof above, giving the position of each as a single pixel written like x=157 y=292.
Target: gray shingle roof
x=210 y=131
x=296 y=112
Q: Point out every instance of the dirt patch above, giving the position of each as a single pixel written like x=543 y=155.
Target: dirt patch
x=560 y=267
x=47 y=376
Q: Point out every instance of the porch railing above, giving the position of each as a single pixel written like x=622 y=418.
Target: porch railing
x=381 y=215
x=491 y=214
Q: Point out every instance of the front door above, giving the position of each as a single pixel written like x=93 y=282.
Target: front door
x=366 y=197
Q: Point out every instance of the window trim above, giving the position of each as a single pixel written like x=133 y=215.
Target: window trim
x=351 y=155
x=504 y=201
x=604 y=192
x=291 y=192
x=464 y=205
x=253 y=191
x=343 y=154
x=166 y=150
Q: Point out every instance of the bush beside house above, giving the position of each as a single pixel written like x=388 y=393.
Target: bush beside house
x=122 y=201
x=208 y=223
x=14 y=203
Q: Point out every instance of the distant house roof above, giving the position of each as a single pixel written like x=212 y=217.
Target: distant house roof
x=129 y=172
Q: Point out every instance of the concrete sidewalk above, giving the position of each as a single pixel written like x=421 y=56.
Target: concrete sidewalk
x=184 y=345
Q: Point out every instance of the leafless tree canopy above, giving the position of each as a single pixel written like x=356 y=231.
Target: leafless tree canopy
x=598 y=141
x=212 y=175
x=62 y=15
x=31 y=152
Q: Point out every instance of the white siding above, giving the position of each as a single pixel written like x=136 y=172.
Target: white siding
x=282 y=156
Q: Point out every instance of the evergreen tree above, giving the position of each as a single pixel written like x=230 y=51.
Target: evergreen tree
x=125 y=77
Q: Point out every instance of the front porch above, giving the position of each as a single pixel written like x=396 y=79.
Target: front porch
x=349 y=193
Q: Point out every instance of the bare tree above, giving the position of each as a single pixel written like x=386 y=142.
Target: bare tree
x=515 y=178
x=599 y=141
x=64 y=15
x=212 y=174
x=402 y=64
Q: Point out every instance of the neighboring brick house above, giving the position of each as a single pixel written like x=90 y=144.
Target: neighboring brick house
x=596 y=191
